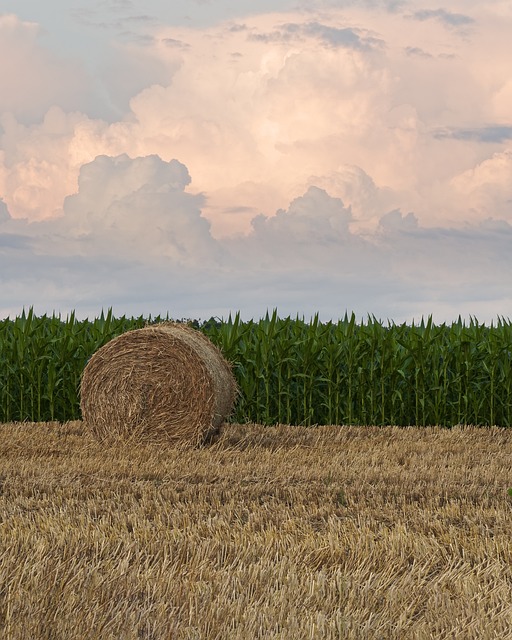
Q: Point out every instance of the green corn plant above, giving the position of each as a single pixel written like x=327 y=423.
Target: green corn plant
x=348 y=334
x=334 y=374
x=284 y=366
x=288 y=370
x=232 y=337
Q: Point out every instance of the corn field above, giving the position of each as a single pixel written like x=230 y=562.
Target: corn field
x=289 y=371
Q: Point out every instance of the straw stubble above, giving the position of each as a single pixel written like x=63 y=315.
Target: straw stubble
x=272 y=533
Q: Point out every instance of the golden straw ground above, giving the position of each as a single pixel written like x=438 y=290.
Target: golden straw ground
x=277 y=533
x=162 y=383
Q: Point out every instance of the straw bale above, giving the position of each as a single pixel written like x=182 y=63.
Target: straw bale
x=166 y=382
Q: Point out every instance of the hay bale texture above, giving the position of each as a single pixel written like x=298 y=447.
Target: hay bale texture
x=163 y=383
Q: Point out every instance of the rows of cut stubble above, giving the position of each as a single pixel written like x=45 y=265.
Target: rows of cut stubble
x=268 y=532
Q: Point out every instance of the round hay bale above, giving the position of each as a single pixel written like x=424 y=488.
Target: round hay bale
x=165 y=382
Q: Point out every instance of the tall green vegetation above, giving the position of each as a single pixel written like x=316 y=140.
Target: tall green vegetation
x=288 y=370
x=41 y=361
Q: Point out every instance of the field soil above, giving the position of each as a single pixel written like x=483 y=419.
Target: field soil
x=284 y=532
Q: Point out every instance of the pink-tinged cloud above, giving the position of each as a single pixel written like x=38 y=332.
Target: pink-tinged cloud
x=32 y=79
x=129 y=206
x=133 y=238
x=259 y=110
x=330 y=160
x=38 y=168
x=489 y=186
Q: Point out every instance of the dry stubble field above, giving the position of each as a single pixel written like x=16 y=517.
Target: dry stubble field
x=285 y=532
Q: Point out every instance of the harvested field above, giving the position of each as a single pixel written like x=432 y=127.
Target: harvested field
x=269 y=532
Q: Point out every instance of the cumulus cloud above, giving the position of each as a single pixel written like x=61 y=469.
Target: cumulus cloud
x=311 y=218
x=317 y=161
x=358 y=190
x=134 y=239
x=138 y=206
x=37 y=165
x=338 y=89
x=131 y=233
x=489 y=186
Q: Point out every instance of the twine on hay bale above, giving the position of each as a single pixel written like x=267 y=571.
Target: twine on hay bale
x=165 y=382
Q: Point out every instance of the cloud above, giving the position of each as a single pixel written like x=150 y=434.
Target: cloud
x=357 y=190
x=417 y=51
x=237 y=27
x=314 y=219
x=498 y=226
x=110 y=15
x=342 y=37
x=448 y=18
x=33 y=79
x=345 y=37
x=131 y=233
x=4 y=212
x=255 y=128
x=38 y=168
x=138 y=205
x=396 y=221
x=133 y=238
x=132 y=67
x=335 y=164
x=119 y=5
x=489 y=186
x=172 y=42
x=489 y=133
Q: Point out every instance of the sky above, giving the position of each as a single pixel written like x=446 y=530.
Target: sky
x=202 y=157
